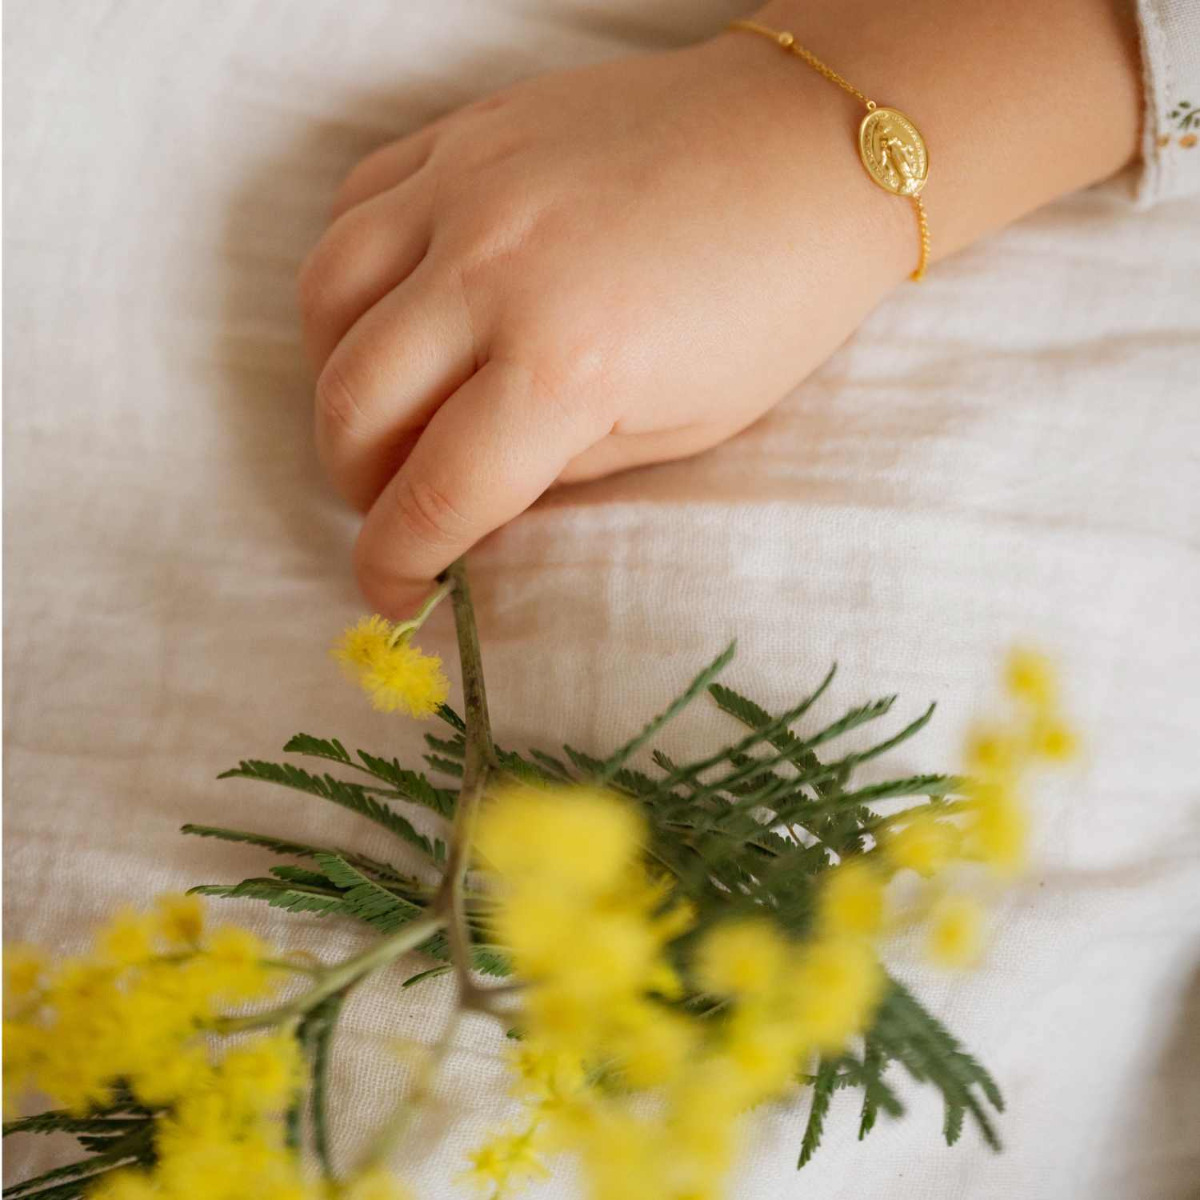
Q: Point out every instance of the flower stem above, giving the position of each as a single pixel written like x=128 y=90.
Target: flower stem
x=449 y=903
x=479 y=761
x=414 y=623
x=335 y=978
x=448 y=907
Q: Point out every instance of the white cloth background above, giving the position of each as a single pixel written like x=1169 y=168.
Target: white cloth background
x=1009 y=451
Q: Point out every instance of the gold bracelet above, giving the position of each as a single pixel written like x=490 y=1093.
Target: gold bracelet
x=890 y=145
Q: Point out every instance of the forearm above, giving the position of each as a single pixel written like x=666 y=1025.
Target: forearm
x=1019 y=102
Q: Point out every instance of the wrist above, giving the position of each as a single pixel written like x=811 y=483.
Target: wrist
x=807 y=129
x=1017 y=106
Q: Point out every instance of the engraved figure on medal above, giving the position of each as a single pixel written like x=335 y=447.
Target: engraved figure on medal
x=893 y=152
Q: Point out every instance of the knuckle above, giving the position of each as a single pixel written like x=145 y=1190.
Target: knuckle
x=313 y=285
x=322 y=274
x=427 y=513
x=358 y=181
x=571 y=386
x=362 y=170
x=487 y=243
x=338 y=409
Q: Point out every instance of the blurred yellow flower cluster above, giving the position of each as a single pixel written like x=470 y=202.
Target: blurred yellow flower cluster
x=138 y=1012
x=381 y=659
x=648 y=1090
x=646 y=1026
x=593 y=938
x=68 y=1026
x=224 y=1137
x=990 y=825
x=1000 y=756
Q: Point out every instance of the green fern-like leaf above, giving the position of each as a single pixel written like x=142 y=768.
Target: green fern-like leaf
x=57 y=1121
x=491 y=960
x=278 y=895
x=133 y=1148
x=455 y=747
x=381 y=870
x=551 y=765
x=624 y=779
x=822 y=1094
x=876 y=1094
x=928 y=1051
x=301 y=876
x=351 y=796
x=411 y=785
x=366 y=899
x=521 y=768
x=266 y=841
x=315 y=747
x=619 y=757
x=447 y=714
x=428 y=973
x=315 y=1035
x=914 y=785
x=445 y=766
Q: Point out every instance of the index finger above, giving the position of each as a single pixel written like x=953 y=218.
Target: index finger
x=488 y=453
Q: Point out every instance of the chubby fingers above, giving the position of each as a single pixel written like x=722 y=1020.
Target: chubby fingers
x=387 y=378
x=363 y=255
x=487 y=454
x=384 y=168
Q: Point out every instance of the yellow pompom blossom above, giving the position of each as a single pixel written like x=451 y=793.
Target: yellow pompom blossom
x=551 y=1083
x=550 y=1079
x=839 y=983
x=997 y=831
x=582 y=840
x=993 y=751
x=506 y=1160
x=852 y=899
x=925 y=843
x=999 y=758
x=224 y=1138
x=1052 y=740
x=24 y=970
x=180 y=921
x=1029 y=677
x=956 y=931
x=741 y=958
x=363 y=644
x=381 y=659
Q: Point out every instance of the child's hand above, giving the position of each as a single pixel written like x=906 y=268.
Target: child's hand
x=590 y=271
x=587 y=272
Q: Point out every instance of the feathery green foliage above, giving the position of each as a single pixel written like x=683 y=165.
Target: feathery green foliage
x=746 y=828
x=353 y=796
x=315 y=1035
x=749 y=825
x=822 y=1094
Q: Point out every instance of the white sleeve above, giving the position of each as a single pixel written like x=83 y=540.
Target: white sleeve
x=1170 y=35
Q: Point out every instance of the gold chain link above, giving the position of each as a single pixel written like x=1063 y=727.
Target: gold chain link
x=923 y=229
x=786 y=41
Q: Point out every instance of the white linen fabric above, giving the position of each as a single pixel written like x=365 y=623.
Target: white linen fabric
x=1008 y=452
